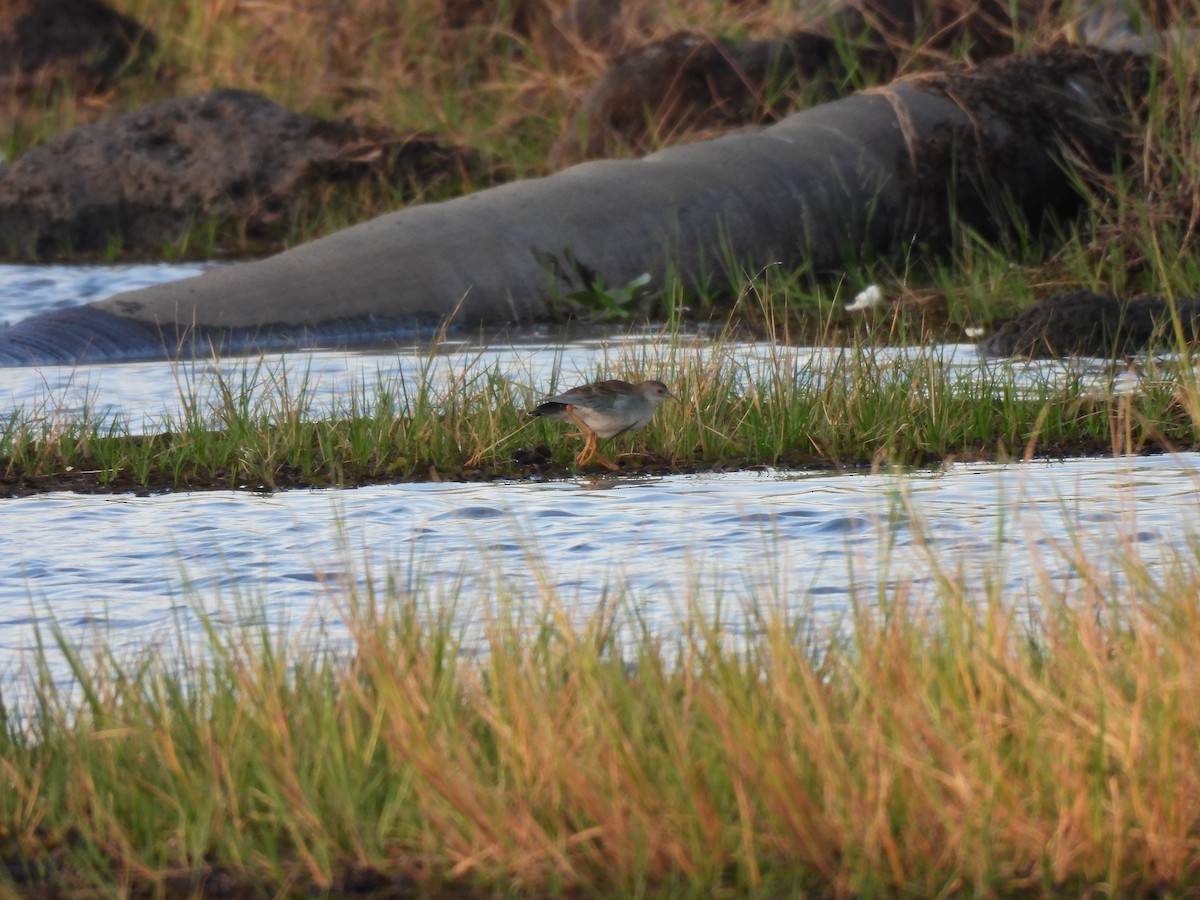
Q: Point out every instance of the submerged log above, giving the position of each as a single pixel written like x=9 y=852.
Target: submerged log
x=875 y=173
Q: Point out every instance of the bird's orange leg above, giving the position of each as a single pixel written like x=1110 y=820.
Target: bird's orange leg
x=589 y=451
x=584 y=431
x=604 y=461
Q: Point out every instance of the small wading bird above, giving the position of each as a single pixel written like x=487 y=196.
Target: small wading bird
x=604 y=410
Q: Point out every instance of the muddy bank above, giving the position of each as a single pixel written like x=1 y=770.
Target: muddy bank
x=879 y=173
x=526 y=464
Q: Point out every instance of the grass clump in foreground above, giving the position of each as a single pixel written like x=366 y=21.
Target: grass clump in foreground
x=449 y=416
x=953 y=741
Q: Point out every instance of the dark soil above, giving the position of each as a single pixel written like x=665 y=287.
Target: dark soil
x=526 y=464
x=142 y=180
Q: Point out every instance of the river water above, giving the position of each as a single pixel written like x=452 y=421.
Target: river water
x=135 y=571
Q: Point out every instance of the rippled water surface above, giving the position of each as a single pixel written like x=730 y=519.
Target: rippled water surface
x=123 y=565
x=26 y=290
x=132 y=569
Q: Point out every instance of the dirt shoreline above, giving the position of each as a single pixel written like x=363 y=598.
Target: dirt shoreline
x=545 y=468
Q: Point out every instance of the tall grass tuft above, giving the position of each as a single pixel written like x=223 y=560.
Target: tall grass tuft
x=942 y=739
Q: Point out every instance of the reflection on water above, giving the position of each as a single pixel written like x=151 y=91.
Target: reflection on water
x=126 y=565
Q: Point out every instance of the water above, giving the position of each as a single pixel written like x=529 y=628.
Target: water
x=132 y=570
x=126 y=566
x=28 y=290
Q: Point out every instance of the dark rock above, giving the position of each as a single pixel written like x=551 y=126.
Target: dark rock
x=82 y=43
x=1082 y=323
x=140 y=181
x=682 y=83
x=688 y=82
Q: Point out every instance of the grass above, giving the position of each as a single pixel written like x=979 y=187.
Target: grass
x=945 y=739
x=263 y=426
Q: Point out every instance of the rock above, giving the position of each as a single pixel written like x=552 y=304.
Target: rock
x=688 y=82
x=1083 y=323
x=141 y=180
x=81 y=43
x=683 y=83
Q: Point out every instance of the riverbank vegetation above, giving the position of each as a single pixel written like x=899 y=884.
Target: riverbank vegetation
x=500 y=78
x=259 y=425
x=939 y=738
x=496 y=79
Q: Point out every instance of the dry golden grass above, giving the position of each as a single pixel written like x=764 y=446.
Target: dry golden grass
x=499 y=77
x=946 y=739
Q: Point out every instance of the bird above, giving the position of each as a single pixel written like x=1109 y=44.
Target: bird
x=604 y=409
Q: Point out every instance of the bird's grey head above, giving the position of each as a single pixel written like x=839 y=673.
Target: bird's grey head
x=656 y=391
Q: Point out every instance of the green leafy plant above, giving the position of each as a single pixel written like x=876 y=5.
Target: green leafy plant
x=620 y=304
